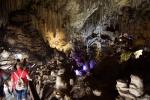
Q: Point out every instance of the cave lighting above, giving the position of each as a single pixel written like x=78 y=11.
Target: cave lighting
x=58 y=41
x=5 y=54
x=78 y=73
x=85 y=68
x=92 y=64
x=138 y=53
x=18 y=56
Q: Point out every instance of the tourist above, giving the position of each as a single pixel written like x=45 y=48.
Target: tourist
x=3 y=78
x=19 y=79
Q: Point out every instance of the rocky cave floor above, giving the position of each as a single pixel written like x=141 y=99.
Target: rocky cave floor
x=102 y=78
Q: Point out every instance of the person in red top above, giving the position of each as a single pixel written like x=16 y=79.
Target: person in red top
x=19 y=79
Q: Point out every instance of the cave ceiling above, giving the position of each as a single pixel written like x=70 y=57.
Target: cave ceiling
x=36 y=26
x=40 y=30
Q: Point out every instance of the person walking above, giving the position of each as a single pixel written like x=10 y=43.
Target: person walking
x=3 y=78
x=20 y=79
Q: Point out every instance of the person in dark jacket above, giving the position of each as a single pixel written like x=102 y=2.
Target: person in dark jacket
x=3 y=78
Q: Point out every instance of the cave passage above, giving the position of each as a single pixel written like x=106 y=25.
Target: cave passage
x=74 y=49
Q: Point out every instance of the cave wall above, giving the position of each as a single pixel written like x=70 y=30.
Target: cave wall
x=57 y=22
x=33 y=27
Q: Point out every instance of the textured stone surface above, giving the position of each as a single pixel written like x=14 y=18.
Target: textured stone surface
x=33 y=27
x=69 y=17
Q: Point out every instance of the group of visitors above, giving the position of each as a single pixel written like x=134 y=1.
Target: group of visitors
x=16 y=82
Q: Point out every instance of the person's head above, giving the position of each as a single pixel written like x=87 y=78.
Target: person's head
x=18 y=60
x=18 y=64
x=24 y=63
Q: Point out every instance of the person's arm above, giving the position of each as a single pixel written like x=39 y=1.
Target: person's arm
x=11 y=82
x=28 y=77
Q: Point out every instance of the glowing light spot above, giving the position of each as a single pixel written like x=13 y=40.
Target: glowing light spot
x=85 y=68
x=78 y=73
x=5 y=54
x=18 y=56
x=138 y=53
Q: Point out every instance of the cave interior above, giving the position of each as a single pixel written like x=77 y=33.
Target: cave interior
x=93 y=46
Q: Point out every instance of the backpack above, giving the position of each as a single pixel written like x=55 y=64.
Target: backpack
x=20 y=85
